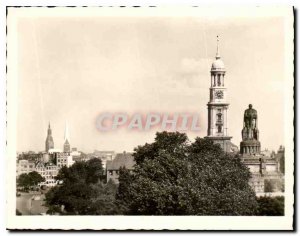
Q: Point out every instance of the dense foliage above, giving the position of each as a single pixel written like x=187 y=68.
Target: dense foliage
x=282 y=163
x=30 y=156
x=174 y=177
x=82 y=192
x=27 y=181
x=122 y=194
x=271 y=206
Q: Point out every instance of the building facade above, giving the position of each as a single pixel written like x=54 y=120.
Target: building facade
x=25 y=167
x=104 y=156
x=49 y=171
x=121 y=160
x=64 y=159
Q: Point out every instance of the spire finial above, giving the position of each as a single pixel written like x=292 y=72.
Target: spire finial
x=218 y=56
x=67 y=137
x=49 y=125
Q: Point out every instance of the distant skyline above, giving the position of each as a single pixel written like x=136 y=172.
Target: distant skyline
x=73 y=69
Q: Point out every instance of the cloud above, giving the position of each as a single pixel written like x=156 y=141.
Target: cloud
x=192 y=73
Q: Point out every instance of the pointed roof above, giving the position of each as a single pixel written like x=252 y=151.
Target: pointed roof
x=218 y=56
x=67 y=137
x=121 y=160
x=49 y=132
x=218 y=64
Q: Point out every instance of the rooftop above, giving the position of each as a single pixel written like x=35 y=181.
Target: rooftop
x=121 y=160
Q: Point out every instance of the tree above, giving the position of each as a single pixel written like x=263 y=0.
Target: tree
x=122 y=193
x=29 y=180
x=95 y=171
x=174 y=177
x=35 y=178
x=269 y=186
x=81 y=191
x=18 y=213
x=282 y=163
x=103 y=203
x=270 y=206
x=30 y=156
x=23 y=181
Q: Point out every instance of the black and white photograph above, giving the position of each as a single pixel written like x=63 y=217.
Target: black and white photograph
x=168 y=117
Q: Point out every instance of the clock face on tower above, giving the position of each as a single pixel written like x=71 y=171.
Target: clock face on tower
x=219 y=94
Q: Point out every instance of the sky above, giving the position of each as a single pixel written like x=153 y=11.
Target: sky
x=75 y=68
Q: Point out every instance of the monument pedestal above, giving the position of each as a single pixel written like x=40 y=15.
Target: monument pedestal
x=249 y=147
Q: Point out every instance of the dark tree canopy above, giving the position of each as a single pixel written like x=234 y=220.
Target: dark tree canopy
x=282 y=163
x=174 y=177
x=122 y=194
x=82 y=192
x=164 y=141
x=31 y=179
x=271 y=206
x=85 y=172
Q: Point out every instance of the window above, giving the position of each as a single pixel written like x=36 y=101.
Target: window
x=219 y=80
x=219 y=129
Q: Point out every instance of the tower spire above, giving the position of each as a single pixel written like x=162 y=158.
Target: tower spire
x=67 y=132
x=67 y=147
x=49 y=140
x=218 y=56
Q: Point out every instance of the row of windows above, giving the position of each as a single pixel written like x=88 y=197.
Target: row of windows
x=61 y=160
x=25 y=166
x=49 y=177
x=111 y=172
x=48 y=173
x=50 y=169
x=61 y=165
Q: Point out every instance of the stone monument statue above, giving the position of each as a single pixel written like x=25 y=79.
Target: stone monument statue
x=250 y=130
x=250 y=134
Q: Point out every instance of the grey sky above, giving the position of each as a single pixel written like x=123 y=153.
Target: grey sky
x=75 y=68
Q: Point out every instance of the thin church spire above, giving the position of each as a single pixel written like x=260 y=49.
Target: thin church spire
x=218 y=56
x=67 y=137
x=67 y=147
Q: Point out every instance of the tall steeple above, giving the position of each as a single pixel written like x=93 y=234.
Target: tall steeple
x=218 y=56
x=67 y=147
x=218 y=106
x=49 y=140
x=67 y=137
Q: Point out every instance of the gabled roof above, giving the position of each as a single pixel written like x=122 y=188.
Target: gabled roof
x=40 y=164
x=121 y=160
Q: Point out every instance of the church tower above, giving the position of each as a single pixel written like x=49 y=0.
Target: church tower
x=67 y=147
x=49 y=139
x=218 y=106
